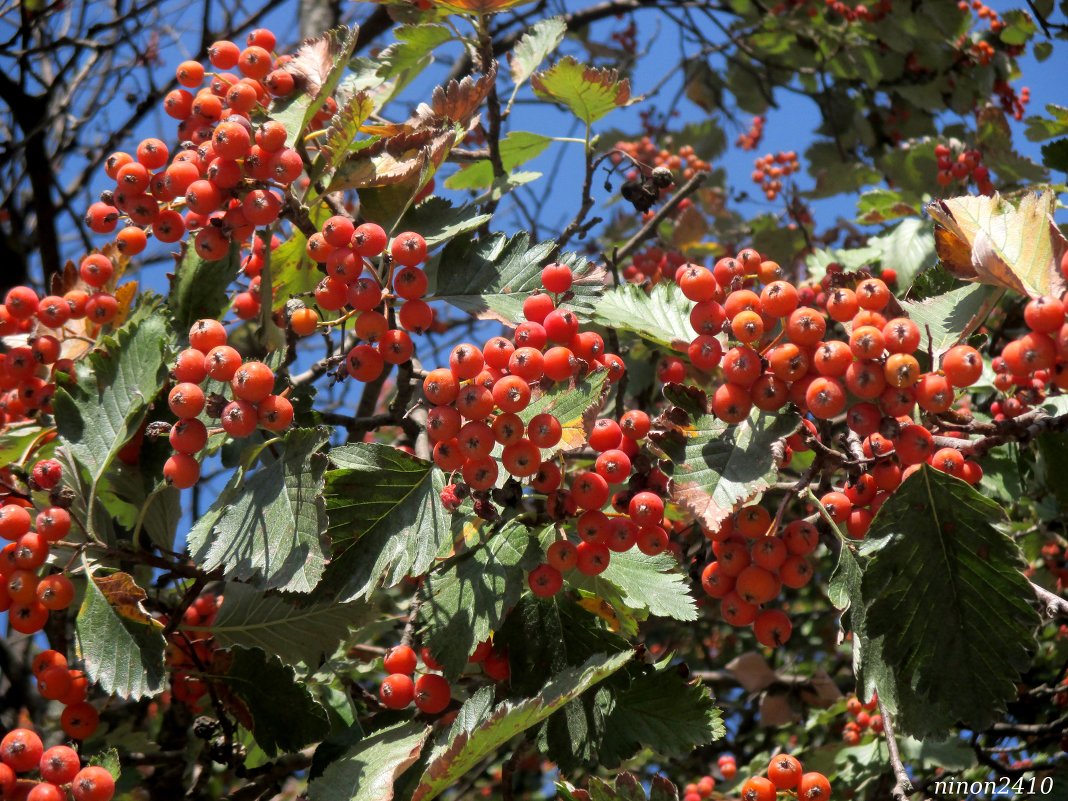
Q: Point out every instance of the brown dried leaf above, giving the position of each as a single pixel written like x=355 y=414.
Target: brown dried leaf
x=821 y=691
x=752 y=671
x=477 y=6
x=1014 y=248
x=776 y=710
x=459 y=101
x=125 y=597
x=314 y=60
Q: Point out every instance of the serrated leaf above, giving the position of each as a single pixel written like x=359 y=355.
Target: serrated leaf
x=266 y=527
x=589 y=92
x=121 y=646
x=414 y=43
x=268 y=700
x=438 y=221
x=292 y=272
x=408 y=157
x=492 y=277
x=661 y=315
x=368 y=771
x=908 y=249
x=96 y=417
x=570 y=404
x=341 y=134
x=951 y=317
x=478 y=6
x=964 y=573
x=17 y=441
x=1055 y=155
x=517 y=148
x=317 y=65
x=662 y=711
x=509 y=719
x=464 y=603
x=535 y=46
x=718 y=466
x=198 y=286
x=308 y=632
x=883 y=205
x=109 y=761
x=652 y=583
x=1041 y=128
x=985 y=239
x=386 y=518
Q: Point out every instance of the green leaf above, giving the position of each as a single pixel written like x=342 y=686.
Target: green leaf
x=660 y=316
x=663 y=711
x=437 y=220
x=570 y=404
x=268 y=700
x=96 y=417
x=466 y=602
x=883 y=205
x=509 y=719
x=16 y=440
x=122 y=647
x=292 y=272
x=369 y=770
x=492 y=277
x=908 y=249
x=938 y=554
x=951 y=317
x=308 y=632
x=386 y=515
x=652 y=583
x=322 y=62
x=414 y=43
x=266 y=527
x=1055 y=155
x=535 y=46
x=341 y=135
x=1041 y=128
x=718 y=466
x=588 y=92
x=198 y=286
x=517 y=148
x=109 y=761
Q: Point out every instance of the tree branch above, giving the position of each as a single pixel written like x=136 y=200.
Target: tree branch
x=903 y=787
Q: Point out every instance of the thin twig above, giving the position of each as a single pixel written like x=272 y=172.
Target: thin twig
x=903 y=787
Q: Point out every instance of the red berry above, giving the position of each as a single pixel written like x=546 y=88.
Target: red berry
x=401 y=659
x=397 y=691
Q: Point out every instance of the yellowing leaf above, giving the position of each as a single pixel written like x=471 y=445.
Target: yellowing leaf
x=589 y=92
x=125 y=295
x=125 y=596
x=1014 y=248
x=602 y=609
x=478 y=6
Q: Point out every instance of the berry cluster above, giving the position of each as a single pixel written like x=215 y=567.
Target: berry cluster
x=191 y=652
x=227 y=173
x=57 y=681
x=1028 y=366
x=770 y=169
x=59 y=768
x=786 y=775
x=750 y=139
x=253 y=405
x=684 y=161
x=862 y=720
x=477 y=400
x=430 y=691
x=752 y=565
x=983 y=11
x=28 y=373
x=653 y=264
x=1012 y=103
x=25 y=594
x=967 y=166
x=345 y=249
